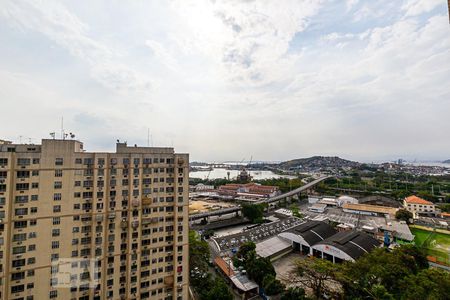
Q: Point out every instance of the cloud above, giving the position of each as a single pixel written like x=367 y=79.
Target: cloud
x=417 y=7
x=62 y=27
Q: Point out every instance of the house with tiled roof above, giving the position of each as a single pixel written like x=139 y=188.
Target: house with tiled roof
x=419 y=206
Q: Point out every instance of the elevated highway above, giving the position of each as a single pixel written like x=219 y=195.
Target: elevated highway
x=237 y=209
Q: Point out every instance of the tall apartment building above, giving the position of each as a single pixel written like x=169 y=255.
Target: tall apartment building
x=90 y=225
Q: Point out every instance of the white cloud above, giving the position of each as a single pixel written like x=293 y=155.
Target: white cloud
x=417 y=7
x=55 y=22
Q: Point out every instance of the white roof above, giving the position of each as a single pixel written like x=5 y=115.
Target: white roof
x=271 y=246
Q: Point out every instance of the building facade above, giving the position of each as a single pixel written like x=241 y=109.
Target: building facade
x=91 y=225
x=419 y=206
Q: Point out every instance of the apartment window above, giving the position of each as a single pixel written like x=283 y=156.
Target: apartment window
x=55 y=232
x=22 y=186
x=21 y=211
x=31 y=260
x=34 y=197
x=58 y=173
x=20 y=224
x=33 y=222
x=30 y=273
x=55 y=244
x=78 y=161
x=33 y=210
x=23 y=161
x=31 y=247
x=17 y=288
x=77 y=183
x=22 y=174
x=17 y=276
x=21 y=199
x=18 y=263
x=53 y=294
x=35 y=185
x=32 y=235
x=35 y=173
x=59 y=161
x=57 y=197
x=3 y=161
x=57 y=185
x=36 y=161
x=19 y=250
x=57 y=208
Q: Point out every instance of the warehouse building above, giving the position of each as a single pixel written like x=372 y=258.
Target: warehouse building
x=304 y=236
x=346 y=245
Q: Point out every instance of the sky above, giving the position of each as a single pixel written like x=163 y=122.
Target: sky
x=229 y=80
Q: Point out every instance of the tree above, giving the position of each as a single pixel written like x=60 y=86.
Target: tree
x=198 y=252
x=427 y=284
x=404 y=215
x=379 y=274
x=245 y=252
x=296 y=211
x=314 y=273
x=258 y=268
x=445 y=207
x=253 y=212
x=272 y=286
x=294 y=293
x=218 y=291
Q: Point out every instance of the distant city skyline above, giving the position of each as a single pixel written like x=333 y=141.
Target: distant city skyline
x=226 y=80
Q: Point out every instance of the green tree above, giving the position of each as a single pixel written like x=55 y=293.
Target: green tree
x=296 y=211
x=294 y=293
x=258 y=268
x=272 y=286
x=314 y=273
x=427 y=284
x=246 y=251
x=218 y=291
x=380 y=273
x=253 y=212
x=198 y=252
x=403 y=215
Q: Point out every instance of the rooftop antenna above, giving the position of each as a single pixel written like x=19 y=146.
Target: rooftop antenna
x=148 y=137
x=62 y=128
x=53 y=134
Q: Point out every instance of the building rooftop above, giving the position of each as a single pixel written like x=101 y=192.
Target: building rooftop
x=314 y=231
x=272 y=246
x=371 y=208
x=354 y=243
x=400 y=230
x=417 y=200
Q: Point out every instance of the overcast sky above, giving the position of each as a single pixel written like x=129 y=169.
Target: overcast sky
x=226 y=80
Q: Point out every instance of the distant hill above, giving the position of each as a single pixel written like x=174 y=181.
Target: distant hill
x=318 y=162
x=446 y=161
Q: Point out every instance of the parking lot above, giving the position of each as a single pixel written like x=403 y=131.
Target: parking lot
x=257 y=234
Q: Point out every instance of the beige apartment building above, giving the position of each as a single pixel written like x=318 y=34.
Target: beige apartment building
x=89 y=225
